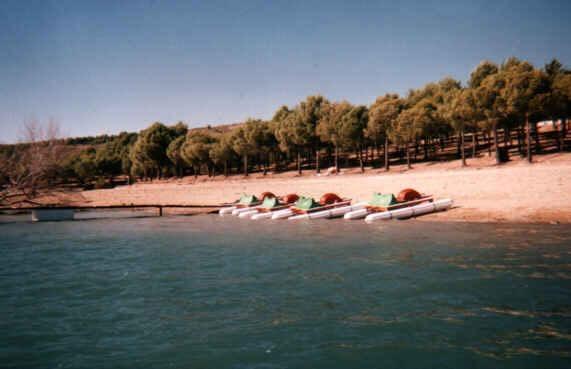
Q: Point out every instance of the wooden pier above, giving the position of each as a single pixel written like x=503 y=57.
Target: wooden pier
x=159 y=207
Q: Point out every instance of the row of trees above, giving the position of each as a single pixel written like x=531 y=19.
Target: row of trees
x=509 y=98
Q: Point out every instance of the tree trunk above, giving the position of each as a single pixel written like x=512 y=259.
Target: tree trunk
x=462 y=148
x=557 y=134
x=563 y=133
x=474 y=148
x=528 y=138
x=536 y=138
x=361 y=163
x=258 y=163
x=519 y=140
x=337 y=158
x=276 y=161
x=489 y=143
x=387 y=153
x=317 y=163
x=299 y=162
x=225 y=168
x=496 y=147
x=407 y=156
x=246 y=165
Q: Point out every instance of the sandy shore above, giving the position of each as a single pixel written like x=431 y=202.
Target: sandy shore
x=482 y=192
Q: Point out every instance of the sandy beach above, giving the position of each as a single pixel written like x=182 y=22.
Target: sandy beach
x=482 y=192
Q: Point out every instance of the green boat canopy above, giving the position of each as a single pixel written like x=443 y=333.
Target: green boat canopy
x=306 y=203
x=383 y=200
x=270 y=202
x=248 y=199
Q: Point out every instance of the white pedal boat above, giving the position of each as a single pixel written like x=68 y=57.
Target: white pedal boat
x=227 y=210
x=330 y=213
x=411 y=211
x=245 y=203
x=270 y=206
x=371 y=209
x=328 y=201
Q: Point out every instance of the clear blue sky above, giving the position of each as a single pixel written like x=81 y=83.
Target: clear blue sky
x=108 y=66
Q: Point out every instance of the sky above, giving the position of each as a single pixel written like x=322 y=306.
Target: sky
x=98 y=67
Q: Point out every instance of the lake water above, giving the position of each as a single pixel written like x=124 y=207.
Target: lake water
x=211 y=292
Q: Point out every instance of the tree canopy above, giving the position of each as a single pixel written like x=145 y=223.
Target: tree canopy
x=502 y=101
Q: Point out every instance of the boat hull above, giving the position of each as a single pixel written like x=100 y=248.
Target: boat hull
x=411 y=211
x=49 y=215
x=227 y=210
x=282 y=214
x=330 y=213
x=357 y=214
x=259 y=216
x=238 y=211
x=247 y=214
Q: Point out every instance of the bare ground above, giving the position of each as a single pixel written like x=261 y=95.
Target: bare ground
x=482 y=192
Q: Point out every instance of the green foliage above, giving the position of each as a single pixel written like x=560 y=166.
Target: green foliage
x=248 y=139
x=522 y=83
x=462 y=110
x=221 y=151
x=174 y=152
x=331 y=125
x=352 y=127
x=286 y=124
x=84 y=166
x=195 y=151
x=89 y=140
x=490 y=101
x=179 y=129
x=414 y=122
x=482 y=71
x=556 y=103
x=310 y=112
x=496 y=96
x=113 y=158
x=149 y=152
x=383 y=115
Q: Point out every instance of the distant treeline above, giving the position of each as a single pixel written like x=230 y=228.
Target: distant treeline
x=499 y=103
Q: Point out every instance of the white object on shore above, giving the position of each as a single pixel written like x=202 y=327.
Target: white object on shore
x=266 y=215
x=356 y=214
x=331 y=171
x=226 y=210
x=411 y=211
x=239 y=211
x=45 y=215
x=330 y=213
x=247 y=214
x=281 y=214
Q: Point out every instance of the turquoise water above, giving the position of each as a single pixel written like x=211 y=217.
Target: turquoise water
x=211 y=292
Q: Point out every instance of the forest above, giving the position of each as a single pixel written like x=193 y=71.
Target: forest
x=496 y=111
